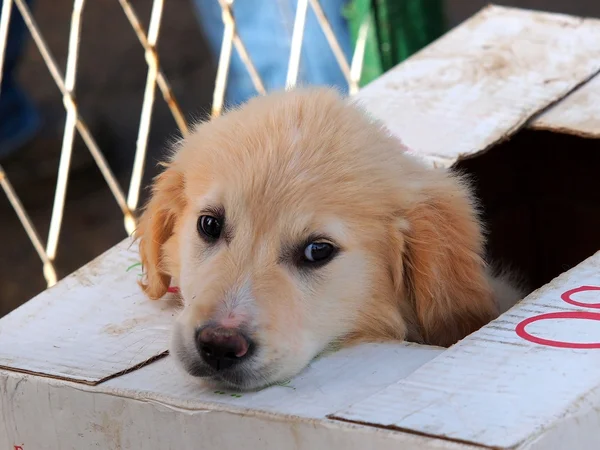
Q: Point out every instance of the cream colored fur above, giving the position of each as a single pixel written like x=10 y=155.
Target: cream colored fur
x=304 y=162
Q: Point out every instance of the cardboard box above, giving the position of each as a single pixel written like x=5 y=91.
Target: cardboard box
x=83 y=364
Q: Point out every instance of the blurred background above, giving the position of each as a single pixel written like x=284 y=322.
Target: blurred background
x=110 y=87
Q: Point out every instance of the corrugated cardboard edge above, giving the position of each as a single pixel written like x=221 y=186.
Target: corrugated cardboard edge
x=577 y=114
x=530 y=122
x=577 y=413
x=84 y=381
x=411 y=431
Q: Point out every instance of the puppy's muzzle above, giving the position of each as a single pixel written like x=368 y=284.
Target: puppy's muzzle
x=222 y=348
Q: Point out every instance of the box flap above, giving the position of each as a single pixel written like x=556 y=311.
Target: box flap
x=92 y=325
x=578 y=113
x=327 y=384
x=484 y=80
x=158 y=406
x=509 y=381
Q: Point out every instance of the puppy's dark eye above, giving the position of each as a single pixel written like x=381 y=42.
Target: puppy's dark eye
x=209 y=227
x=318 y=253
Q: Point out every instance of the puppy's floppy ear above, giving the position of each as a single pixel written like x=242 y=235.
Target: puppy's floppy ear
x=444 y=272
x=156 y=227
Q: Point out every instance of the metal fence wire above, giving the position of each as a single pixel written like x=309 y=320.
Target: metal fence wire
x=75 y=123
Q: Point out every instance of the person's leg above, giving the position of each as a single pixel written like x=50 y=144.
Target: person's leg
x=19 y=119
x=319 y=62
x=266 y=27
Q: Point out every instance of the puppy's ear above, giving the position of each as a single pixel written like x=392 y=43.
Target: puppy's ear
x=156 y=227
x=444 y=273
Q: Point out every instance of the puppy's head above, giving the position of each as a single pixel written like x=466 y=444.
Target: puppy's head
x=296 y=223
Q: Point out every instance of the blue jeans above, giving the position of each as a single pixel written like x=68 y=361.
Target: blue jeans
x=19 y=118
x=265 y=27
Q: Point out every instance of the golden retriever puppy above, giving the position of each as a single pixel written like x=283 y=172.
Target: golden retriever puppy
x=297 y=223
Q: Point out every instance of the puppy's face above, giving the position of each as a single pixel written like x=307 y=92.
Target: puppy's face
x=271 y=280
x=295 y=224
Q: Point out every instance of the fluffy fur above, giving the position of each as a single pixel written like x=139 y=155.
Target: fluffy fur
x=309 y=163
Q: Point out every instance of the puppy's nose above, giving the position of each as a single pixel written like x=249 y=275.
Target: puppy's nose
x=221 y=347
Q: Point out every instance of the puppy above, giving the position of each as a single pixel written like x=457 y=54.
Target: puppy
x=297 y=223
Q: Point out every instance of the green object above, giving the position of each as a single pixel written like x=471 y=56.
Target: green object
x=397 y=29
x=137 y=264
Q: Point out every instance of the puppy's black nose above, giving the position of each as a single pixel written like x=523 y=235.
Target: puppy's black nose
x=220 y=347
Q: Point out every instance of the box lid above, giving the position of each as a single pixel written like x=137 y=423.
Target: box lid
x=507 y=383
x=487 y=78
x=326 y=385
x=92 y=325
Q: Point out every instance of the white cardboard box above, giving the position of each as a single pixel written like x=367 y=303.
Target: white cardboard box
x=83 y=364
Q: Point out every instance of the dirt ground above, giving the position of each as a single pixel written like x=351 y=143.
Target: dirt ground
x=110 y=89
